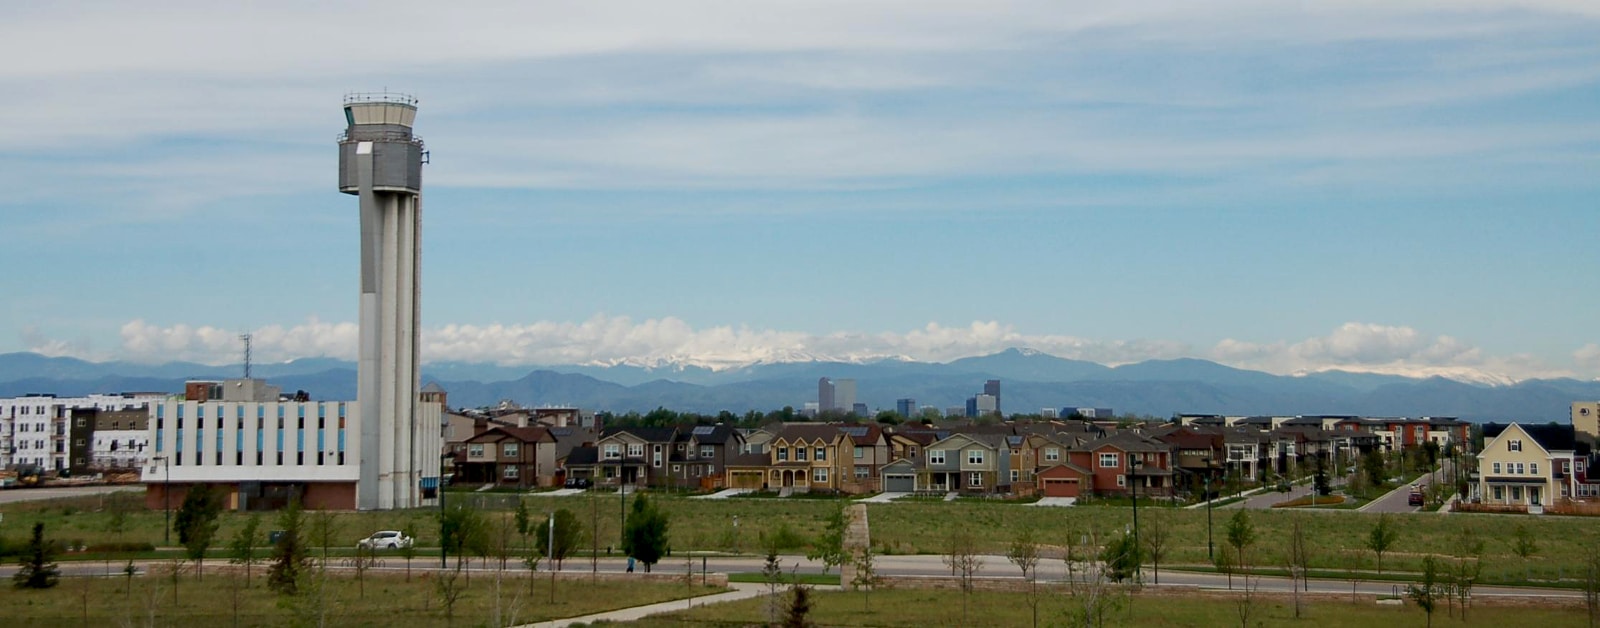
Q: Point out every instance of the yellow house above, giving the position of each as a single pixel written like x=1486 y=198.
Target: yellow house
x=1518 y=466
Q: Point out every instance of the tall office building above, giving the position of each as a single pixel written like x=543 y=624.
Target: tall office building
x=906 y=407
x=824 y=395
x=992 y=388
x=844 y=394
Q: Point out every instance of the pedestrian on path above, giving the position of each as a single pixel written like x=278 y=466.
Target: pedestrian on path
x=630 y=564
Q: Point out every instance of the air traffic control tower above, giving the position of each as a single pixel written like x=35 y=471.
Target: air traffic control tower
x=380 y=162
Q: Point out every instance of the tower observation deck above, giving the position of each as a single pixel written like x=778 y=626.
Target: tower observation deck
x=380 y=161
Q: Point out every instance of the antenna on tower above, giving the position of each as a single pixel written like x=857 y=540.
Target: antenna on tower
x=246 y=339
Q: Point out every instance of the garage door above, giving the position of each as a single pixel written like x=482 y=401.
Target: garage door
x=1060 y=488
x=899 y=483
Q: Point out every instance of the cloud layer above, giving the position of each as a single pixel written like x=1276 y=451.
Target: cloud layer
x=608 y=340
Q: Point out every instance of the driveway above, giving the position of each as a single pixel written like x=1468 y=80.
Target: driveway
x=725 y=493
x=883 y=498
x=1056 y=501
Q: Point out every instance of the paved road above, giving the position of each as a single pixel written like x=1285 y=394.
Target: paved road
x=14 y=495
x=1396 y=500
x=992 y=567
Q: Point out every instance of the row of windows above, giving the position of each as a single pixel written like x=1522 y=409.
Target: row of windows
x=1518 y=468
x=199 y=458
x=800 y=454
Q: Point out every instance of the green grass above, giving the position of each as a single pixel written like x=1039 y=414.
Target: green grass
x=389 y=601
x=922 y=527
x=944 y=607
x=801 y=578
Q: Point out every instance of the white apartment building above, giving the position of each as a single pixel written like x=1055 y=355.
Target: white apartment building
x=37 y=429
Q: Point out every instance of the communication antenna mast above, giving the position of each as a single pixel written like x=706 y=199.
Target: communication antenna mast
x=246 y=339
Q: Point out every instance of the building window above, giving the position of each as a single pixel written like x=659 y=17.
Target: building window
x=1122 y=480
x=475 y=450
x=861 y=452
x=935 y=456
x=510 y=450
x=1514 y=445
x=81 y=423
x=863 y=472
x=612 y=452
x=975 y=480
x=1533 y=468
x=707 y=451
x=1016 y=475
x=677 y=468
x=783 y=453
x=819 y=475
x=635 y=450
x=800 y=454
x=822 y=454
x=1497 y=468
x=511 y=472
x=1109 y=461
x=1052 y=454
x=1499 y=493
x=974 y=456
x=1520 y=468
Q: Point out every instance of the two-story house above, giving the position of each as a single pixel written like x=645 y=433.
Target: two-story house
x=1519 y=464
x=967 y=463
x=1123 y=460
x=869 y=451
x=700 y=455
x=633 y=455
x=513 y=456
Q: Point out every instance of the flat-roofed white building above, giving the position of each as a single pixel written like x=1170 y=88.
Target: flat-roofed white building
x=262 y=453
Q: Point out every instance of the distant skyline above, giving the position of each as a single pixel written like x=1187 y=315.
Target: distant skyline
x=1285 y=187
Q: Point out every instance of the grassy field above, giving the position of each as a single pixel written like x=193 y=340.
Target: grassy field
x=1337 y=536
x=943 y=608
x=389 y=602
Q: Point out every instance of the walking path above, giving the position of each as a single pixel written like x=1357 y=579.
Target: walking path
x=741 y=591
x=883 y=498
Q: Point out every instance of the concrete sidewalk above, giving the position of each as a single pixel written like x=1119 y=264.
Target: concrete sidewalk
x=741 y=591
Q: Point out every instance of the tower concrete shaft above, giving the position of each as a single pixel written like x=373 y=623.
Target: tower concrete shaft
x=380 y=161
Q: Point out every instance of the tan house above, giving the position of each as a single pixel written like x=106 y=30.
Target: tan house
x=801 y=457
x=515 y=456
x=1519 y=464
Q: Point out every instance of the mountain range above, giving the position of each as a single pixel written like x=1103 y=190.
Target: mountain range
x=1031 y=380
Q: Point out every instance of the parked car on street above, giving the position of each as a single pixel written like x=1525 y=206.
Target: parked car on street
x=577 y=483
x=385 y=539
x=1415 y=499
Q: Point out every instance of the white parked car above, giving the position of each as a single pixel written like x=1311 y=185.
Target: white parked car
x=385 y=539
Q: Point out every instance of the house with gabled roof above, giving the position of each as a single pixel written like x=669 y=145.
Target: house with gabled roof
x=1120 y=462
x=869 y=451
x=1533 y=466
x=967 y=463
x=511 y=456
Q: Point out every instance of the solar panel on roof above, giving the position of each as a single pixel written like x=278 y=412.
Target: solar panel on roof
x=854 y=432
x=703 y=430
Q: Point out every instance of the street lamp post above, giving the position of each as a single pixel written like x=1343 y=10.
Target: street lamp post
x=1210 y=548
x=1133 y=465
x=166 y=496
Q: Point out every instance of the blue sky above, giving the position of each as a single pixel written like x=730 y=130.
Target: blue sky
x=1279 y=186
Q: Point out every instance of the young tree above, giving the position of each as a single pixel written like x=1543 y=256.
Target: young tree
x=829 y=546
x=524 y=520
x=1120 y=558
x=1241 y=535
x=324 y=530
x=963 y=560
x=866 y=578
x=1425 y=593
x=459 y=529
x=645 y=535
x=1094 y=594
x=449 y=587
x=1354 y=569
x=1155 y=541
x=1381 y=538
x=799 y=608
x=1373 y=466
x=1591 y=579
x=117 y=525
x=1299 y=561
x=197 y=524
x=242 y=548
x=1468 y=567
x=1024 y=553
x=363 y=561
x=289 y=555
x=408 y=551
x=1524 y=546
x=568 y=538
x=39 y=570
x=772 y=574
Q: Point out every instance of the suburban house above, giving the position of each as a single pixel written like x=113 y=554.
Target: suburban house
x=800 y=456
x=1122 y=460
x=512 y=456
x=700 y=455
x=966 y=462
x=869 y=452
x=1533 y=466
x=633 y=455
